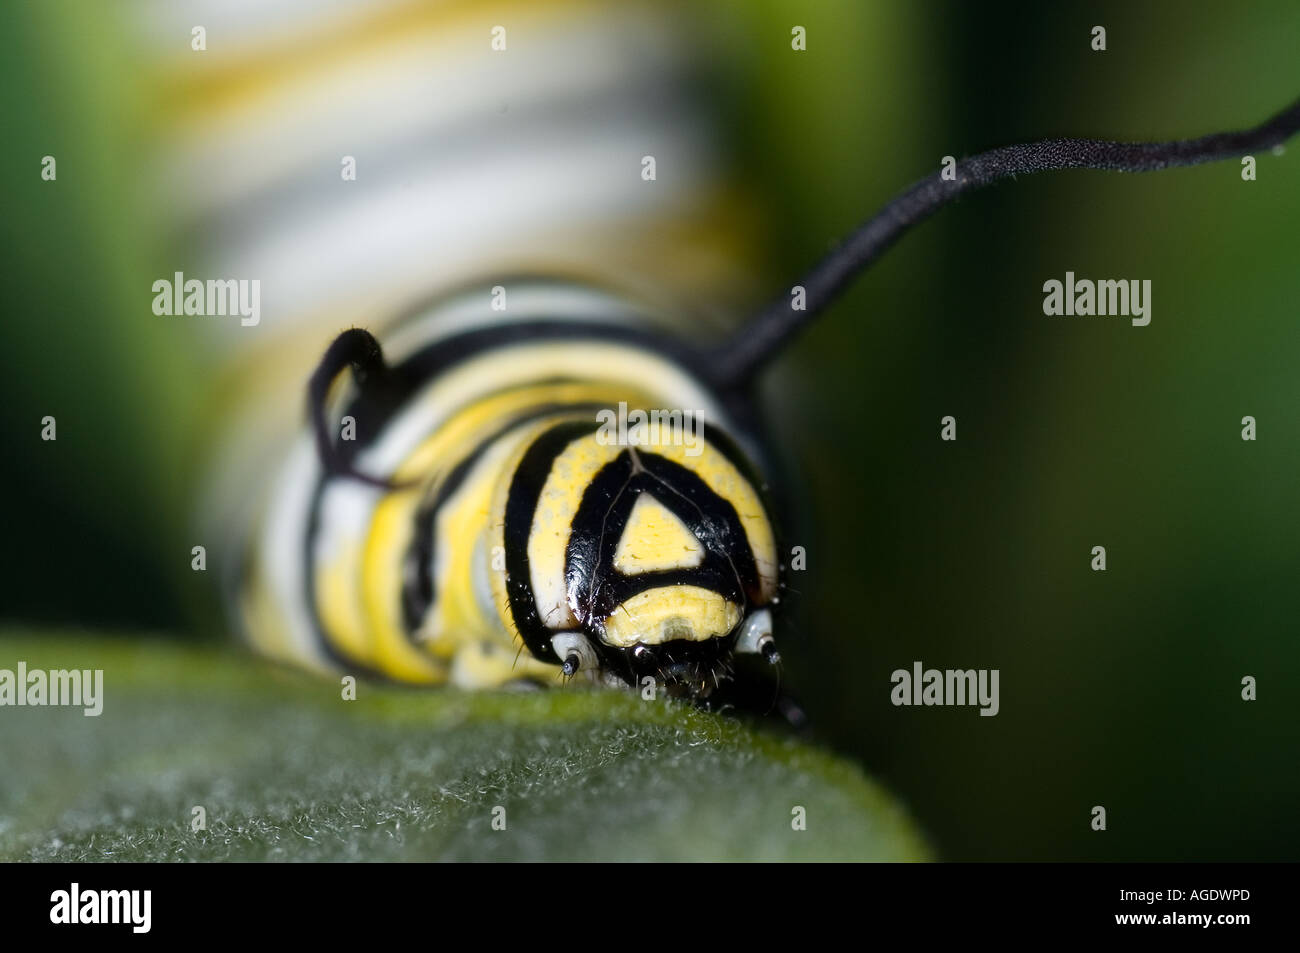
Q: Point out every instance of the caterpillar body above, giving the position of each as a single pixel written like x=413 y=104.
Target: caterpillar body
x=502 y=530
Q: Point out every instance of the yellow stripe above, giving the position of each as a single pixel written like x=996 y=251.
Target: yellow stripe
x=456 y=620
x=668 y=613
x=201 y=87
x=381 y=587
x=711 y=466
x=548 y=542
x=338 y=605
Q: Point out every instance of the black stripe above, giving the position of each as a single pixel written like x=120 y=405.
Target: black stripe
x=711 y=517
x=417 y=585
x=439 y=355
x=372 y=411
x=419 y=589
x=521 y=504
x=728 y=567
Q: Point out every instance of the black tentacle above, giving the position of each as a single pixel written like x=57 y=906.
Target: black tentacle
x=359 y=350
x=763 y=337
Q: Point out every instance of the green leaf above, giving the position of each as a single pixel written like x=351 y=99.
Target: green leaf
x=285 y=769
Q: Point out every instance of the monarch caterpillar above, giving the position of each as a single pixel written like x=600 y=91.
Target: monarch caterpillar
x=478 y=530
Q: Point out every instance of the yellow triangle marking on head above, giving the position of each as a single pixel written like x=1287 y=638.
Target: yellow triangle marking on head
x=655 y=540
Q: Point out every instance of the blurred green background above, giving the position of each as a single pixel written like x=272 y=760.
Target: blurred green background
x=1119 y=688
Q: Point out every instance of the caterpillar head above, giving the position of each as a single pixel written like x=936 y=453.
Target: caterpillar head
x=647 y=558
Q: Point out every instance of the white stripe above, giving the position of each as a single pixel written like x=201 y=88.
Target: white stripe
x=283 y=539
x=525 y=301
x=592 y=361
